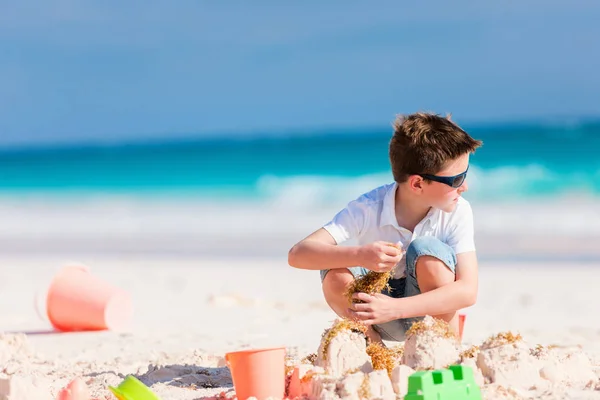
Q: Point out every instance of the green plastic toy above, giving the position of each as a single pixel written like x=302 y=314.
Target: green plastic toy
x=132 y=389
x=455 y=383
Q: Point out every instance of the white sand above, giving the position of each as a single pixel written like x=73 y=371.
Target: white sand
x=190 y=312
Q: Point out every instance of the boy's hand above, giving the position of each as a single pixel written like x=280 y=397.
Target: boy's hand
x=374 y=309
x=379 y=256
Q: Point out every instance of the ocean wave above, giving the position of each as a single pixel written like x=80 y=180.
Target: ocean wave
x=506 y=183
x=528 y=202
x=308 y=191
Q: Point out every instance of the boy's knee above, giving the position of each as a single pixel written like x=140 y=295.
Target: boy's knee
x=432 y=272
x=336 y=280
x=334 y=285
x=429 y=252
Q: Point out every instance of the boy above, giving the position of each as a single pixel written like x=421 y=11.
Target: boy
x=419 y=227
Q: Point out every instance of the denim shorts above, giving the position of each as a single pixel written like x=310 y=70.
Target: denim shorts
x=408 y=286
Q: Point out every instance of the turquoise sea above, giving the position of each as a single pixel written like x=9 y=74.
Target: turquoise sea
x=537 y=180
x=517 y=161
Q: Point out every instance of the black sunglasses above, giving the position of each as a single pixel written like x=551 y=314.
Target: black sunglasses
x=454 y=181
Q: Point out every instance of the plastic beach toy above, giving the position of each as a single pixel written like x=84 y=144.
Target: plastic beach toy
x=258 y=373
x=76 y=300
x=75 y=390
x=461 y=324
x=455 y=383
x=132 y=389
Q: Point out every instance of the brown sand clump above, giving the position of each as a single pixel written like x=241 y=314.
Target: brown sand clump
x=398 y=351
x=309 y=359
x=370 y=283
x=541 y=351
x=471 y=352
x=501 y=339
x=382 y=358
x=288 y=370
x=339 y=326
x=538 y=351
x=438 y=327
x=365 y=388
x=291 y=360
x=308 y=376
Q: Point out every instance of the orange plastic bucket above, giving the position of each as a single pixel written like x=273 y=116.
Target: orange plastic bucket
x=79 y=301
x=258 y=373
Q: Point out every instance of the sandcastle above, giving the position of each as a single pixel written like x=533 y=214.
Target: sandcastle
x=347 y=366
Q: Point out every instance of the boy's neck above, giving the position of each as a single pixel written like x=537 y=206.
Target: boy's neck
x=408 y=208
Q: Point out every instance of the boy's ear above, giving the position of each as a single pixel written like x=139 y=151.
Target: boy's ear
x=415 y=182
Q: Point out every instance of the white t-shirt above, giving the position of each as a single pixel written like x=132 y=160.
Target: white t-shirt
x=372 y=217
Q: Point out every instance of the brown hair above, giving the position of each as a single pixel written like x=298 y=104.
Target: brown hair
x=423 y=143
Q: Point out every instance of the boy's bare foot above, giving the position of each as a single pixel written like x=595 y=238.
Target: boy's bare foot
x=373 y=336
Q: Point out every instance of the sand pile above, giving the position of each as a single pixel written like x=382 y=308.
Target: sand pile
x=510 y=365
x=346 y=366
x=430 y=345
x=25 y=374
x=18 y=377
x=504 y=365
x=343 y=348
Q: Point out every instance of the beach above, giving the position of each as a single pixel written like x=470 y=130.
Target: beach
x=178 y=151
x=204 y=256
x=190 y=311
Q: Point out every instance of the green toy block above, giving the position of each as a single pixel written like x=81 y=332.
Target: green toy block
x=465 y=379
x=455 y=383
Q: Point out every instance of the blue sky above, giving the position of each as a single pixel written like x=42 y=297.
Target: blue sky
x=105 y=71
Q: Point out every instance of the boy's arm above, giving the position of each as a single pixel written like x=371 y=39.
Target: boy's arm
x=320 y=251
x=462 y=292
x=459 y=294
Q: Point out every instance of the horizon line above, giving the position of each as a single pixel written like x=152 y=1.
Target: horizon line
x=272 y=133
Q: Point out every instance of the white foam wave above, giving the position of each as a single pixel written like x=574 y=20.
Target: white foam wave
x=196 y=225
x=306 y=191
x=289 y=209
x=499 y=184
